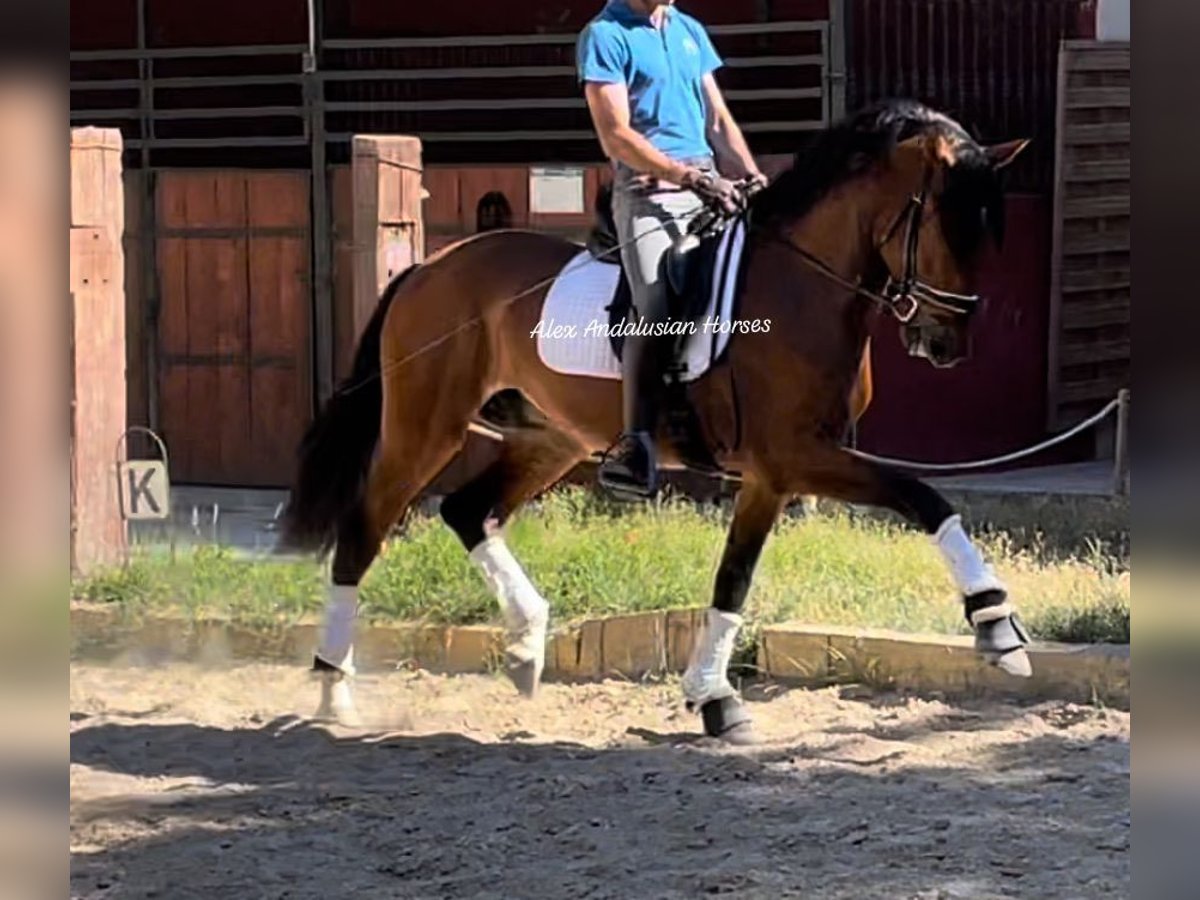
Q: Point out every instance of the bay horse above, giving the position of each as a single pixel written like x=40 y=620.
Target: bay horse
x=886 y=212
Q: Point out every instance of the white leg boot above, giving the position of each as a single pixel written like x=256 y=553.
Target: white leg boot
x=999 y=636
x=526 y=613
x=707 y=675
x=335 y=657
x=706 y=682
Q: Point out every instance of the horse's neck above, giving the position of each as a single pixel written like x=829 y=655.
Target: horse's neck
x=837 y=232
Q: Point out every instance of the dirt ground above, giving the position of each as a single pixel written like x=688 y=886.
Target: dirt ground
x=189 y=782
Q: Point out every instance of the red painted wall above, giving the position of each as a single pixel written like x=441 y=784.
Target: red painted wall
x=993 y=402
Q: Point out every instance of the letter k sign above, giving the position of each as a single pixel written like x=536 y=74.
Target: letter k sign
x=144 y=489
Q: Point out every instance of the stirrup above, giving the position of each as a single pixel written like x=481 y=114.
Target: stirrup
x=622 y=485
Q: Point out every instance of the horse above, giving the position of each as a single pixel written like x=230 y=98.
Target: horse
x=885 y=212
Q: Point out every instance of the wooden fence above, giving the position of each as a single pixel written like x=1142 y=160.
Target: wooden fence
x=1089 y=336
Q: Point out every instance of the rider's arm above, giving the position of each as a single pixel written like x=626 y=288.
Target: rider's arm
x=609 y=106
x=734 y=158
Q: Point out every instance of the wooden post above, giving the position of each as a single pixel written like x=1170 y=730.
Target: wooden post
x=388 y=227
x=1121 y=450
x=97 y=280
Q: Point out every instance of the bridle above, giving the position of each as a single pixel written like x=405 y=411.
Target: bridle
x=903 y=299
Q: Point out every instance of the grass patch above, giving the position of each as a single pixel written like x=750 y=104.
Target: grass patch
x=591 y=558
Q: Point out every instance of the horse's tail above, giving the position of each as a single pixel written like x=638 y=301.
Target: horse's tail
x=335 y=453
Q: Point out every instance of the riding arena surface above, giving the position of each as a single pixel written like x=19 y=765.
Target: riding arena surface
x=209 y=782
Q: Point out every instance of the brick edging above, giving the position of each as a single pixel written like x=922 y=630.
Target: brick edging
x=945 y=663
x=629 y=646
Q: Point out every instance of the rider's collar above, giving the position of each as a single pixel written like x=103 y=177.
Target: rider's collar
x=623 y=12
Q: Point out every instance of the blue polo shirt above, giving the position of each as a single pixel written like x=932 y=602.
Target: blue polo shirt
x=661 y=68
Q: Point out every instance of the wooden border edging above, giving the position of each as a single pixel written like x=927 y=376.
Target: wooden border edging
x=945 y=663
x=629 y=646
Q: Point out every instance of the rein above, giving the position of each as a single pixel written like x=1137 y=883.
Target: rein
x=903 y=298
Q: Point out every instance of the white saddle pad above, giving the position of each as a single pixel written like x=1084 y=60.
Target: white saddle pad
x=573 y=336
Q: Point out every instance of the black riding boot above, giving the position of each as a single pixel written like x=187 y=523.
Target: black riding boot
x=630 y=467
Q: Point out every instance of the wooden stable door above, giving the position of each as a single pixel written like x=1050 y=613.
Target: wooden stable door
x=235 y=380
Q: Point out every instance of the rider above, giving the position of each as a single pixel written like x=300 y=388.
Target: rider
x=660 y=117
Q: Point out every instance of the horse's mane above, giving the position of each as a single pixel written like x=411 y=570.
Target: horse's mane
x=856 y=143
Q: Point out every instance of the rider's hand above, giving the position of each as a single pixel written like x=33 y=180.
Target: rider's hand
x=724 y=195
x=754 y=182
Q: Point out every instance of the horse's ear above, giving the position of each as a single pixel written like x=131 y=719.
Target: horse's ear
x=1002 y=155
x=937 y=148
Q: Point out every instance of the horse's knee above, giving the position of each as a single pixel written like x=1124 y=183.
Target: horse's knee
x=468 y=511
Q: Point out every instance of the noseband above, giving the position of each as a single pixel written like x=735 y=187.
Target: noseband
x=905 y=297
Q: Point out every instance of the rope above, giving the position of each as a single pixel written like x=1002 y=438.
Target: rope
x=995 y=460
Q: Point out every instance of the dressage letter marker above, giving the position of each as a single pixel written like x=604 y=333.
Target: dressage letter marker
x=145 y=489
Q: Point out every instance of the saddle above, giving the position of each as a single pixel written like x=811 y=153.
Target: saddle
x=690 y=268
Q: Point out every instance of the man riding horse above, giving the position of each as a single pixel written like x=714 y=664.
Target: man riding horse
x=647 y=70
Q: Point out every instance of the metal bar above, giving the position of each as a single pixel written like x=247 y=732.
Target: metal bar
x=836 y=53
x=773 y=93
x=767 y=27
x=322 y=226
x=1054 y=327
x=930 y=64
x=114 y=84
x=513 y=40
x=185 y=52
x=914 y=77
x=826 y=83
x=101 y=84
x=238 y=112
x=1121 y=447
x=297 y=140
x=754 y=62
x=454 y=105
x=342 y=137
x=476 y=72
x=571 y=134
x=235 y=112
x=548 y=71
x=83 y=115
x=487 y=103
x=151 y=290
x=473 y=40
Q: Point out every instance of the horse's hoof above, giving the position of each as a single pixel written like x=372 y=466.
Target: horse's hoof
x=337 y=702
x=727 y=720
x=525 y=675
x=1014 y=662
x=1002 y=643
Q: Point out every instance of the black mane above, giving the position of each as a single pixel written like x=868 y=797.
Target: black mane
x=971 y=202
